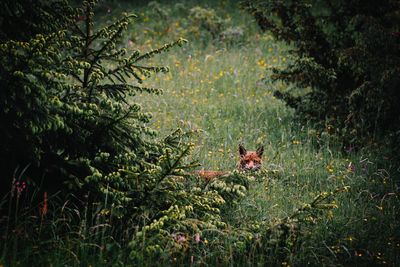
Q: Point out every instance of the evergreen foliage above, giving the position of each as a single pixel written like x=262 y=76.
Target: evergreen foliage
x=345 y=58
x=196 y=225
x=22 y=19
x=65 y=109
x=207 y=19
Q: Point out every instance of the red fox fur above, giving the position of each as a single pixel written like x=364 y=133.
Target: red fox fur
x=249 y=161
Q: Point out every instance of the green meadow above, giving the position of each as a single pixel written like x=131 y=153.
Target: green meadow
x=219 y=88
x=223 y=91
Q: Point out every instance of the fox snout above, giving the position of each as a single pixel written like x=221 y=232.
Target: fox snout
x=250 y=160
x=250 y=165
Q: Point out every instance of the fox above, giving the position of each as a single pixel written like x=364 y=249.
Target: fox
x=248 y=161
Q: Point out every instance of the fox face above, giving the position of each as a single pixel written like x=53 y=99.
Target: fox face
x=250 y=160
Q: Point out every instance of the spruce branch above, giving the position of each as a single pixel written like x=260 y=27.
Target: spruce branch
x=86 y=48
x=319 y=202
x=165 y=47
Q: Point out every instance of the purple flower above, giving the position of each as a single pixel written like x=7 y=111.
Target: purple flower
x=179 y=238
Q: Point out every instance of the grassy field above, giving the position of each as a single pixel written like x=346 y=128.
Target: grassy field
x=221 y=89
x=218 y=88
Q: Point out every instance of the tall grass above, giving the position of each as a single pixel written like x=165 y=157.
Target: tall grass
x=218 y=88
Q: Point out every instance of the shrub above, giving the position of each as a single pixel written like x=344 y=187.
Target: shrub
x=206 y=19
x=345 y=58
x=197 y=230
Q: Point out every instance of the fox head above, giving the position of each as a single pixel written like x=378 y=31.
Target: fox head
x=250 y=160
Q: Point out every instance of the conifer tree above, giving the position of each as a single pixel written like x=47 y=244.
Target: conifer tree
x=67 y=109
x=22 y=19
x=347 y=53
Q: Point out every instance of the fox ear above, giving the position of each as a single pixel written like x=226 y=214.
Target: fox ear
x=260 y=151
x=242 y=150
